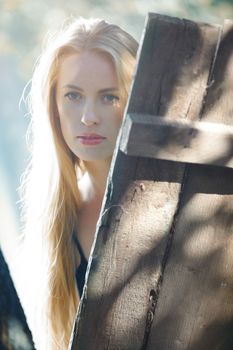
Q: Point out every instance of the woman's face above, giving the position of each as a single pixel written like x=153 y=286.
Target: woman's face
x=89 y=104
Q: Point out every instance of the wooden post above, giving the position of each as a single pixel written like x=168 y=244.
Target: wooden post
x=161 y=271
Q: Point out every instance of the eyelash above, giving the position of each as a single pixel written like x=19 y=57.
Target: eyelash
x=76 y=96
x=113 y=98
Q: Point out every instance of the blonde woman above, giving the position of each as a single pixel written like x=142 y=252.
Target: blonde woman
x=78 y=94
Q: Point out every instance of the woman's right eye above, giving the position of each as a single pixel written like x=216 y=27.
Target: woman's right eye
x=73 y=96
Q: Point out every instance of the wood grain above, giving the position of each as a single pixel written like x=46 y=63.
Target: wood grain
x=177 y=140
x=195 y=307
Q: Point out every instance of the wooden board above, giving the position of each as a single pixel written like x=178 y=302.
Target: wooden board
x=177 y=140
x=195 y=307
x=140 y=210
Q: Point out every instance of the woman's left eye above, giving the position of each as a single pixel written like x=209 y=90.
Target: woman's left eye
x=110 y=99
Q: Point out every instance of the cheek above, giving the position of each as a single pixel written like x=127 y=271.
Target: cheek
x=65 y=110
x=119 y=121
x=66 y=124
x=116 y=123
x=68 y=115
x=119 y=117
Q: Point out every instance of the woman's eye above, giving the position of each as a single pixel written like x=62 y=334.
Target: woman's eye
x=73 y=96
x=110 y=99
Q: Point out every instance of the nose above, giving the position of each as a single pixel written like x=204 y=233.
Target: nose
x=90 y=115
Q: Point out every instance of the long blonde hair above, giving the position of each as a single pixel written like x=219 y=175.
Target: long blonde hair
x=49 y=188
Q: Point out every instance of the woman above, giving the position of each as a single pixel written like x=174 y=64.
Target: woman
x=78 y=94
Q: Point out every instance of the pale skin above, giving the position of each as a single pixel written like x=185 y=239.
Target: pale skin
x=89 y=102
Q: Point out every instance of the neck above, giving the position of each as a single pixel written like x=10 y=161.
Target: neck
x=92 y=185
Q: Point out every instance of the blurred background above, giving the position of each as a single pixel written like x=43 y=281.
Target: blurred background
x=23 y=25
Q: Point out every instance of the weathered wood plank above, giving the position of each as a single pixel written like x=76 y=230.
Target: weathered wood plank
x=195 y=306
x=141 y=200
x=179 y=140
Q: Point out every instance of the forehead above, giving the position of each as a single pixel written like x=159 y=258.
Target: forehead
x=87 y=69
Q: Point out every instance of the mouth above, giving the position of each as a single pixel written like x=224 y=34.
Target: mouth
x=91 y=139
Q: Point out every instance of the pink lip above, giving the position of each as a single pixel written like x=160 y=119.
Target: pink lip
x=90 y=139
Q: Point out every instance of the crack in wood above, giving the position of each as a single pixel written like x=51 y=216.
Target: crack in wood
x=154 y=294
x=210 y=82
x=150 y=316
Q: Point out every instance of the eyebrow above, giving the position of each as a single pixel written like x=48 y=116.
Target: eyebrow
x=80 y=89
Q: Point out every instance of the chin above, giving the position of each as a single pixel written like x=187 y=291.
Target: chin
x=91 y=157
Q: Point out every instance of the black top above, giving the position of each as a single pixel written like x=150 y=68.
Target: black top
x=81 y=270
